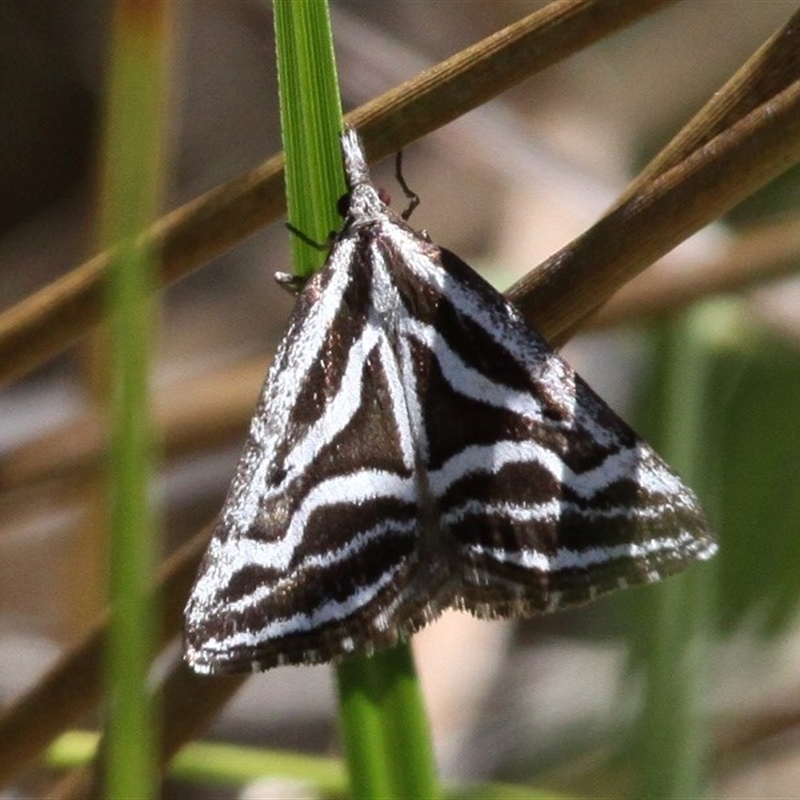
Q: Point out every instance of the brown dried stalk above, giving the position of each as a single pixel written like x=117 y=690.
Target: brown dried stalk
x=53 y=318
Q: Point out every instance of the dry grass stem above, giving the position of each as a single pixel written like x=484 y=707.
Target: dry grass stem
x=752 y=258
x=55 y=317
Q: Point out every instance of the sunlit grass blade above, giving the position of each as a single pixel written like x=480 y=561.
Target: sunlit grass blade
x=311 y=119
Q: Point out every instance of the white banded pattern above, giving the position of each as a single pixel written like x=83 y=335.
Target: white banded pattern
x=416 y=445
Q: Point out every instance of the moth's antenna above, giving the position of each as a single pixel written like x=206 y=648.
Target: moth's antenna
x=413 y=197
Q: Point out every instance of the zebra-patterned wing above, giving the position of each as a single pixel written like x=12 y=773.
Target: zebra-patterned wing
x=416 y=446
x=548 y=496
x=316 y=551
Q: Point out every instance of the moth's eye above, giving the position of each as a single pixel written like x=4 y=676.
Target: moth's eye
x=343 y=205
x=385 y=197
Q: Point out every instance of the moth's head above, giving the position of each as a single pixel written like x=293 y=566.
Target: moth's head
x=355 y=161
x=364 y=201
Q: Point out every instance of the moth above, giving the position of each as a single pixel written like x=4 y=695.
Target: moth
x=418 y=446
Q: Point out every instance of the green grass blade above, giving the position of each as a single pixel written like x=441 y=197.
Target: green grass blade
x=311 y=119
x=385 y=727
x=405 y=726
x=235 y=766
x=359 y=681
x=382 y=716
x=130 y=201
x=675 y=618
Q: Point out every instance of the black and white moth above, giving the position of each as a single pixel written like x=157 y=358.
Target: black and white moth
x=417 y=446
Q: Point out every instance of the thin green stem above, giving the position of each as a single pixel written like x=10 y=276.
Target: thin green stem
x=385 y=732
x=131 y=187
x=235 y=767
x=671 y=734
x=385 y=727
x=311 y=119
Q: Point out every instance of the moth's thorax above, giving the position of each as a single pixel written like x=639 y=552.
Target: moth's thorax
x=365 y=207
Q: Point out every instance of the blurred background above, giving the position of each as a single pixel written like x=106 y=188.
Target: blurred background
x=552 y=701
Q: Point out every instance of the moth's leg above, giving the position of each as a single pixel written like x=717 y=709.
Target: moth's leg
x=290 y=282
x=411 y=196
